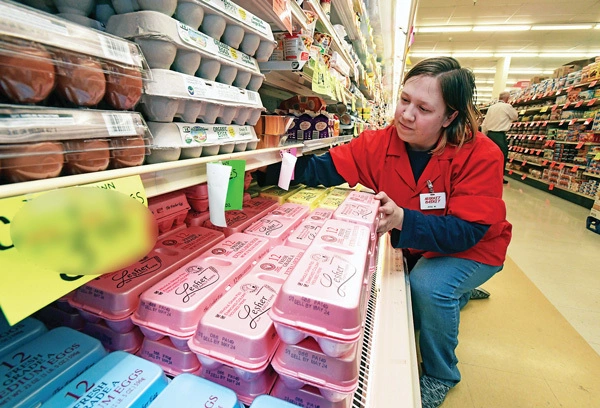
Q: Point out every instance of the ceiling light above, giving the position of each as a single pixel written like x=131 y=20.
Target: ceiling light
x=563 y=55
x=501 y=28
x=472 y=54
x=444 y=29
x=562 y=27
x=516 y=54
x=513 y=71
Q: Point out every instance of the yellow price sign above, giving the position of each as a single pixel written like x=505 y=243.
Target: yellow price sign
x=353 y=103
x=319 y=80
x=544 y=109
x=55 y=241
x=597 y=156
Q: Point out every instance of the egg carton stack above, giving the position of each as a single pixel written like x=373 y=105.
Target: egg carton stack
x=108 y=302
x=203 y=58
x=319 y=312
x=49 y=67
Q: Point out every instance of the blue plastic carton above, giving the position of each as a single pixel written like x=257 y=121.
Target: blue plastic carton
x=12 y=337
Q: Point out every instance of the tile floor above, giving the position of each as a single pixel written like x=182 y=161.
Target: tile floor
x=561 y=257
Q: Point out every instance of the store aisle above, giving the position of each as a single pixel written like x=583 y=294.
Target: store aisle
x=525 y=346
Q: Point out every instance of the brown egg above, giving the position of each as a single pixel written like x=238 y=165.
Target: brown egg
x=80 y=80
x=33 y=161
x=27 y=73
x=127 y=151
x=86 y=156
x=123 y=87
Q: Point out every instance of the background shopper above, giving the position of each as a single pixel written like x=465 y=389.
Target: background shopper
x=432 y=149
x=497 y=122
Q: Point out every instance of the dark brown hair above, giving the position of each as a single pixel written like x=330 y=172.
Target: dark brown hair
x=459 y=93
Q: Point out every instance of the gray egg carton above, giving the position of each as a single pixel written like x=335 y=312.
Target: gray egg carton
x=174 y=141
x=226 y=21
x=175 y=95
x=167 y=43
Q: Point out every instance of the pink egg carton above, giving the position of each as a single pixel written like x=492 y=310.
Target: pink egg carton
x=304 y=234
x=122 y=325
x=322 y=297
x=239 y=220
x=305 y=363
x=175 y=305
x=196 y=219
x=236 y=330
x=307 y=396
x=169 y=210
x=245 y=390
x=360 y=208
x=275 y=228
x=320 y=215
x=170 y=358
x=116 y=295
x=291 y=210
x=197 y=191
x=130 y=341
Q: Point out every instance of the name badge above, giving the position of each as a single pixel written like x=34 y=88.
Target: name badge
x=433 y=201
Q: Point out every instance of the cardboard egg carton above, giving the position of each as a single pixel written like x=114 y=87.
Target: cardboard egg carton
x=168 y=43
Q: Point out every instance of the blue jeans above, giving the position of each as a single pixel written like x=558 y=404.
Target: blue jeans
x=439 y=288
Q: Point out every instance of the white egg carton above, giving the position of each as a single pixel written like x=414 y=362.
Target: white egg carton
x=173 y=94
x=26 y=23
x=168 y=43
x=226 y=21
x=174 y=141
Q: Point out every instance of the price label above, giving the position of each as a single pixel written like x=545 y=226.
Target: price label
x=552 y=164
x=558 y=92
x=538 y=152
x=579 y=145
x=526 y=151
x=544 y=109
x=511 y=159
x=544 y=162
x=510 y=172
x=524 y=176
x=572 y=122
x=592 y=102
x=545 y=123
x=569 y=89
x=597 y=156
x=561 y=166
x=524 y=163
x=566 y=105
x=551 y=187
x=592 y=84
x=587 y=121
x=553 y=108
x=522 y=111
x=561 y=122
x=83 y=229
x=574 y=169
x=578 y=104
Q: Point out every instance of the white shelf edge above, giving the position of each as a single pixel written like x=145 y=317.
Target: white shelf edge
x=392 y=358
x=157 y=178
x=345 y=11
x=263 y=9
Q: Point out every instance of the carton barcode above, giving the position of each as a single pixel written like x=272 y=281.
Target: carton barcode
x=119 y=124
x=116 y=49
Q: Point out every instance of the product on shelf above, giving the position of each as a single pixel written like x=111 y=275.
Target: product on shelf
x=266 y=401
x=188 y=390
x=278 y=194
x=245 y=390
x=129 y=341
x=168 y=43
x=176 y=95
x=305 y=363
x=38 y=142
x=307 y=396
x=238 y=220
x=278 y=224
x=169 y=210
x=52 y=359
x=309 y=196
x=40 y=53
x=306 y=232
x=324 y=296
x=121 y=378
x=191 y=290
x=54 y=317
x=236 y=330
x=170 y=358
x=115 y=296
x=173 y=141
x=12 y=337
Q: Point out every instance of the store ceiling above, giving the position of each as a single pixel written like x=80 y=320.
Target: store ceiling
x=532 y=52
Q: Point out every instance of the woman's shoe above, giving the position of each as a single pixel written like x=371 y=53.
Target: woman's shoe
x=479 y=293
x=433 y=392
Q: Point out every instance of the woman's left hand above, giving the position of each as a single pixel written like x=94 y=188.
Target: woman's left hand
x=390 y=215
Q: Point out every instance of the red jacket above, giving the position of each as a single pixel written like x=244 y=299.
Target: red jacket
x=471 y=176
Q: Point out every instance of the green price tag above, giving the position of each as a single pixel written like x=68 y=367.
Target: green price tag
x=235 y=191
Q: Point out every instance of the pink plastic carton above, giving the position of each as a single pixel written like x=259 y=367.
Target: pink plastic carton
x=290 y=210
x=196 y=219
x=307 y=396
x=175 y=305
x=280 y=261
x=275 y=228
x=261 y=205
x=304 y=234
x=171 y=359
x=116 y=295
x=169 y=210
x=320 y=215
x=245 y=390
x=239 y=220
x=111 y=340
x=305 y=363
x=123 y=325
x=360 y=208
x=197 y=191
x=322 y=297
